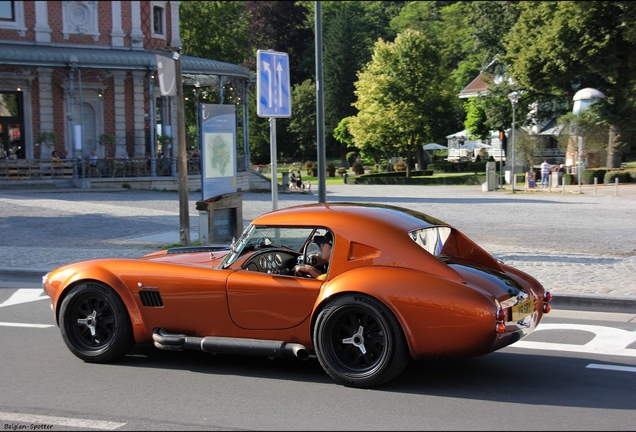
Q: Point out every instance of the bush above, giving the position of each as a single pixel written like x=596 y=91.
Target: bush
x=400 y=166
x=588 y=176
x=611 y=176
x=331 y=169
x=568 y=179
x=358 y=168
x=351 y=158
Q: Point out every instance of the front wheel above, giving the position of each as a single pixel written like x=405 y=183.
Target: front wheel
x=359 y=343
x=95 y=324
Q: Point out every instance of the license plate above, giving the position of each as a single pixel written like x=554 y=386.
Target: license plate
x=522 y=310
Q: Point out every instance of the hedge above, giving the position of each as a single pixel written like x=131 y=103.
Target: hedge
x=588 y=176
x=622 y=176
x=469 y=179
x=449 y=167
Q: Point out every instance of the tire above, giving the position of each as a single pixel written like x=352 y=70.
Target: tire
x=95 y=324
x=359 y=342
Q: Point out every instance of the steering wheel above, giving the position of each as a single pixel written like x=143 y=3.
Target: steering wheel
x=311 y=248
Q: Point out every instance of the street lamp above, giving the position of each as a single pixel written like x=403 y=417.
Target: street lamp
x=514 y=98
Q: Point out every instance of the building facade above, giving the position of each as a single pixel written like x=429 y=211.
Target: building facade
x=75 y=73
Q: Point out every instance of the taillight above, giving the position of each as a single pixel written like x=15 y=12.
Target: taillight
x=547 y=297
x=546 y=308
x=501 y=315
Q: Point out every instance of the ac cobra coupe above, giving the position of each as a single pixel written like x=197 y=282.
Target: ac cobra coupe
x=399 y=285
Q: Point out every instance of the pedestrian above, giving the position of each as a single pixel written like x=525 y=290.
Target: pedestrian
x=299 y=181
x=545 y=173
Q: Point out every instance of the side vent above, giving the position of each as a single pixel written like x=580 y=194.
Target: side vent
x=151 y=298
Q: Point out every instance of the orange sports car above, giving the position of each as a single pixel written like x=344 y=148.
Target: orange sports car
x=362 y=287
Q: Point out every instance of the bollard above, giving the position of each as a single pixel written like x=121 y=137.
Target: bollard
x=344 y=177
x=562 y=187
x=595 y=183
x=616 y=186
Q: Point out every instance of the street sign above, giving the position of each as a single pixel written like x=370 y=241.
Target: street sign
x=272 y=84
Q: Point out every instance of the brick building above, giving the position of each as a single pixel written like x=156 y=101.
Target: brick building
x=85 y=68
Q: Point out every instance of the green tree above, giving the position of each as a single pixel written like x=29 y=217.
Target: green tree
x=475 y=122
x=302 y=125
x=557 y=47
x=527 y=146
x=215 y=30
x=403 y=96
x=344 y=55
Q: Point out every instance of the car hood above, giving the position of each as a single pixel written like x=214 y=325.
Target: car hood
x=204 y=255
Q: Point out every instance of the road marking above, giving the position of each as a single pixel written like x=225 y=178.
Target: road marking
x=25 y=295
x=59 y=421
x=606 y=341
x=611 y=367
x=8 y=324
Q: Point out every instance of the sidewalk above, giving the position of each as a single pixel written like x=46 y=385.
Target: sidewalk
x=581 y=247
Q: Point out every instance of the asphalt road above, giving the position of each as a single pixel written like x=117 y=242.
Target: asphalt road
x=577 y=374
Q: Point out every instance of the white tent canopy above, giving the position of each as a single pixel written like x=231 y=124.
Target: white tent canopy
x=434 y=146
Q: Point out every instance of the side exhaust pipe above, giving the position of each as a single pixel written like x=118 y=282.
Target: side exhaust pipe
x=223 y=345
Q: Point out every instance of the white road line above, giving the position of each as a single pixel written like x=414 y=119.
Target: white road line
x=8 y=324
x=25 y=295
x=611 y=367
x=59 y=421
x=606 y=341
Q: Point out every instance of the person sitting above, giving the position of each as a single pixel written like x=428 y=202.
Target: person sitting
x=292 y=180
x=299 y=181
x=320 y=261
x=54 y=155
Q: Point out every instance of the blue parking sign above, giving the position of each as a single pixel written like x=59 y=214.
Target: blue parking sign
x=272 y=84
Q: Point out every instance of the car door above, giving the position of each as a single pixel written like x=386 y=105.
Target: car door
x=262 y=301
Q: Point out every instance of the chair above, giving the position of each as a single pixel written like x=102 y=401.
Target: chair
x=119 y=169
x=141 y=168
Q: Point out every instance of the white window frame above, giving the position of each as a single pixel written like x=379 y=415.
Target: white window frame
x=161 y=5
x=18 y=19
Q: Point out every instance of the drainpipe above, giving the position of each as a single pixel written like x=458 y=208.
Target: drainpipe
x=152 y=118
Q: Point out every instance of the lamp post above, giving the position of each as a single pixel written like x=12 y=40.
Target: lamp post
x=514 y=98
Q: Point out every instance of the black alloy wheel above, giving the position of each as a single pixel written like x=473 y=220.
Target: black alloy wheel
x=95 y=324
x=359 y=342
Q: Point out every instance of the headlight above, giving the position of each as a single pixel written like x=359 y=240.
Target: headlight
x=44 y=278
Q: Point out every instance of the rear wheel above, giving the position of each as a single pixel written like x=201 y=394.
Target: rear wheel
x=95 y=324
x=359 y=343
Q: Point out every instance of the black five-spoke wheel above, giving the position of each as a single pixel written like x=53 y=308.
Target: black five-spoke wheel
x=95 y=324
x=359 y=342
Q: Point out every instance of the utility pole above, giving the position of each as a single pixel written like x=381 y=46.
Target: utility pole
x=182 y=169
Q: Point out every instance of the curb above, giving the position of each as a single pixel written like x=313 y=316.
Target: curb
x=581 y=302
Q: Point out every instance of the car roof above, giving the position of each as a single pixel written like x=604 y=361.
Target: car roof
x=349 y=216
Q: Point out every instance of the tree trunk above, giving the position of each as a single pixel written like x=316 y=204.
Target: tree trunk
x=613 y=154
x=419 y=153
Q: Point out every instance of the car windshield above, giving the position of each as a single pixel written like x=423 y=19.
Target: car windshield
x=431 y=238
x=260 y=237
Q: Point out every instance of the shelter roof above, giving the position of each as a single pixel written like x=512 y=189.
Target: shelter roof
x=110 y=58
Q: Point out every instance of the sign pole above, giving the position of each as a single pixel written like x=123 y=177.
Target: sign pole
x=184 y=215
x=272 y=140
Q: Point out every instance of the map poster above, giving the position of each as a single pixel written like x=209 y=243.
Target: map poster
x=218 y=149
